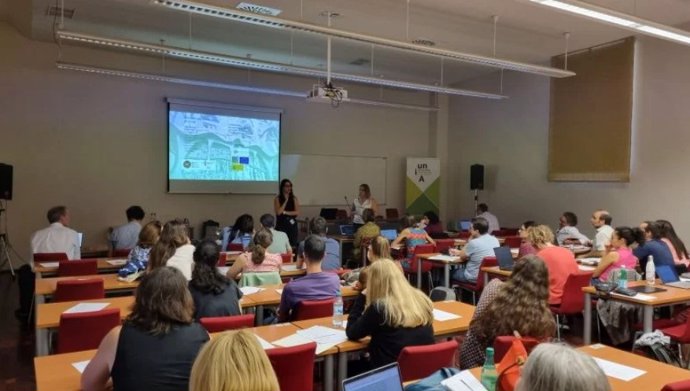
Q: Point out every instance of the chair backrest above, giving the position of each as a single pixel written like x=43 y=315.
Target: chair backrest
x=511 y=231
x=311 y=309
x=441 y=293
x=427 y=248
x=221 y=260
x=486 y=262
x=392 y=214
x=287 y=257
x=499 y=233
x=573 y=300
x=683 y=385
x=418 y=362
x=85 y=289
x=464 y=235
x=82 y=267
x=294 y=366
x=512 y=241
x=502 y=344
x=85 y=330
x=421 y=249
x=222 y=323
x=442 y=245
x=122 y=252
x=235 y=247
x=260 y=278
x=50 y=257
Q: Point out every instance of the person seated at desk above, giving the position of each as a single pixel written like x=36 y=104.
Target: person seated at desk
x=331 y=261
x=258 y=259
x=366 y=232
x=601 y=221
x=233 y=361
x=378 y=249
x=557 y=367
x=57 y=237
x=653 y=246
x=412 y=236
x=491 y=219
x=560 y=261
x=281 y=243
x=392 y=312
x=173 y=249
x=125 y=236
x=480 y=245
x=316 y=285
x=526 y=247
x=519 y=304
x=155 y=347
x=620 y=255
x=240 y=233
x=432 y=225
x=213 y=293
x=567 y=230
x=138 y=258
x=677 y=247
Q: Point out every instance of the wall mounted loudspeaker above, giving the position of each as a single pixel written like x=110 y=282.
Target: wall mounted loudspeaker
x=5 y=182
x=476 y=177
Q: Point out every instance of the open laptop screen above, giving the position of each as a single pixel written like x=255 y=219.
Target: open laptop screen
x=666 y=274
x=386 y=378
x=389 y=234
x=464 y=225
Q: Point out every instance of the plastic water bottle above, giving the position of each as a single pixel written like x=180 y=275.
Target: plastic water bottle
x=338 y=310
x=650 y=271
x=489 y=375
x=623 y=278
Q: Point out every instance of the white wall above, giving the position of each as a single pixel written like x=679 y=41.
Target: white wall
x=511 y=139
x=98 y=144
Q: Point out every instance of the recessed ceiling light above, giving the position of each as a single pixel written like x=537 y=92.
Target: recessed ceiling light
x=423 y=42
x=258 y=9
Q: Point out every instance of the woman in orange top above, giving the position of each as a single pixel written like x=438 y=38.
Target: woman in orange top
x=560 y=261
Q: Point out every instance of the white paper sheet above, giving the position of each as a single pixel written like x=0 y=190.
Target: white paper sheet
x=597 y=346
x=116 y=262
x=619 y=371
x=248 y=290
x=289 y=268
x=463 y=381
x=344 y=324
x=445 y=258
x=264 y=344
x=49 y=265
x=325 y=337
x=443 y=315
x=291 y=340
x=589 y=261
x=639 y=296
x=81 y=365
x=280 y=291
x=586 y=268
x=231 y=252
x=223 y=269
x=85 y=307
x=514 y=251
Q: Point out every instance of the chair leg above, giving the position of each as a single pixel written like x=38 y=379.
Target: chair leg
x=431 y=282
x=596 y=318
x=474 y=298
x=558 y=328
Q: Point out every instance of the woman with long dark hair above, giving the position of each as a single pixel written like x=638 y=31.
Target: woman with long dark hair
x=286 y=206
x=213 y=293
x=677 y=247
x=173 y=249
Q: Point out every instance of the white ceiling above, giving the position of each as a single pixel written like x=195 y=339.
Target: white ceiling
x=525 y=32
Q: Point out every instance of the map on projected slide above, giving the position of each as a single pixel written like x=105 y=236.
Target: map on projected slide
x=222 y=147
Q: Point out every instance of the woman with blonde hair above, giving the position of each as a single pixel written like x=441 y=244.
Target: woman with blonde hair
x=560 y=261
x=392 y=312
x=233 y=361
x=519 y=305
x=258 y=259
x=173 y=249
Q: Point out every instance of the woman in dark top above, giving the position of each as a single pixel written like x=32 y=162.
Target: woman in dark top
x=392 y=312
x=156 y=346
x=213 y=293
x=286 y=206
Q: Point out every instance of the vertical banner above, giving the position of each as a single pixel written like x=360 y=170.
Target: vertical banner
x=422 y=186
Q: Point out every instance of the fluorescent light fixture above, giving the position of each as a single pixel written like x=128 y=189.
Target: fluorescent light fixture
x=272 y=22
x=193 y=55
x=620 y=19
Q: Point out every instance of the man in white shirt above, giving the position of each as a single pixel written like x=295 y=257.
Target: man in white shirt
x=56 y=238
x=568 y=232
x=483 y=212
x=126 y=236
x=601 y=221
x=281 y=243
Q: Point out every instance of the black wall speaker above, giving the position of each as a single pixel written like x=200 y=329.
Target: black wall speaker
x=476 y=177
x=5 y=182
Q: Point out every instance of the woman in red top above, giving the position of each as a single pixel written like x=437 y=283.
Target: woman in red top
x=559 y=261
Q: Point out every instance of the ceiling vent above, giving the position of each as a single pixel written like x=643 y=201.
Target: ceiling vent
x=258 y=9
x=57 y=11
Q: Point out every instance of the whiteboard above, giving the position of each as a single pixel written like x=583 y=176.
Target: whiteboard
x=323 y=180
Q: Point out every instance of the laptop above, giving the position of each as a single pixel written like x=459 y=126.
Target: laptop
x=669 y=277
x=329 y=213
x=389 y=234
x=464 y=225
x=347 y=230
x=504 y=258
x=80 y=237
x=385 y=378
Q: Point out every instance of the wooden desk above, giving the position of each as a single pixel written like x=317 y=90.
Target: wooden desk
x=496 y=272
x=670 y=296
x=446 y=267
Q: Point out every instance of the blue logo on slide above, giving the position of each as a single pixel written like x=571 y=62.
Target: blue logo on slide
x=244 y=160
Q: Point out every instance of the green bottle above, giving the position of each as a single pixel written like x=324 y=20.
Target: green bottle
x=489 y=374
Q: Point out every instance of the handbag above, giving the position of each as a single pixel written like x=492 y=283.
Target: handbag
x=510 y=367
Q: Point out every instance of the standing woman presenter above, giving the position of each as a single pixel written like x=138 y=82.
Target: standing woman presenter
x=364 y=200
x=286 y=207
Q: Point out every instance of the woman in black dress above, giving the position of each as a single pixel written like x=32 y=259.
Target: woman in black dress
x=286 y=206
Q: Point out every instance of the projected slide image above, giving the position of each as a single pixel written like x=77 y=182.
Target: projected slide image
x=222 y=148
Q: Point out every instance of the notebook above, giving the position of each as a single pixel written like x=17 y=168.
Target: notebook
x=384 y=378
x=389 y=234
x=504 y=257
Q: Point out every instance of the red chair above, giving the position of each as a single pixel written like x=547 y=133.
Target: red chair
x=221 y=260
x=499 y=233
x=478 y=286
x=502 y=344
x=573 y=300
x=512 y=241
x=411 y=269
x=217 y=324
x=83 y=267
x=121 y=253
x=683 y=385
x=311 y=309
x=511 y=231
x=418 y=362
x=464 y=235
x=85 y=330
x=680 y=334
x=294 y=366
x=50 y=257
x=287 y=258
x=235 y=247
x=442 y=245
x=84 y=289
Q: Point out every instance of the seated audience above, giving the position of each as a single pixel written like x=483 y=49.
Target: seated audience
x=412 y=236
x=491 y=219
x=155 y=347
x=560 y=261
x=125 y=236
x=432 y=224
x=281 y=243
x=240 y=233
x=519 y=304
x=233 y=361
x=621 y=254
x=601 y=221
x=653 y=246
x=392 y=312
x=526 y=247
x=556 y=367
x=481 y=244
x=378 y=249
x=331 y=261
x=213 y=293
x=258 y=259
x=138 y=258
x=173 y=249
x=567 y=230
x=366 y=232
x=57 y=237
x=316 y=285
x=677 y=247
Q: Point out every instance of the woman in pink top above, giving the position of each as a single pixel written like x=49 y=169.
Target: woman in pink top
x=621 y=256
x=668 y=236
x=558 y=260
x=258 y=260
